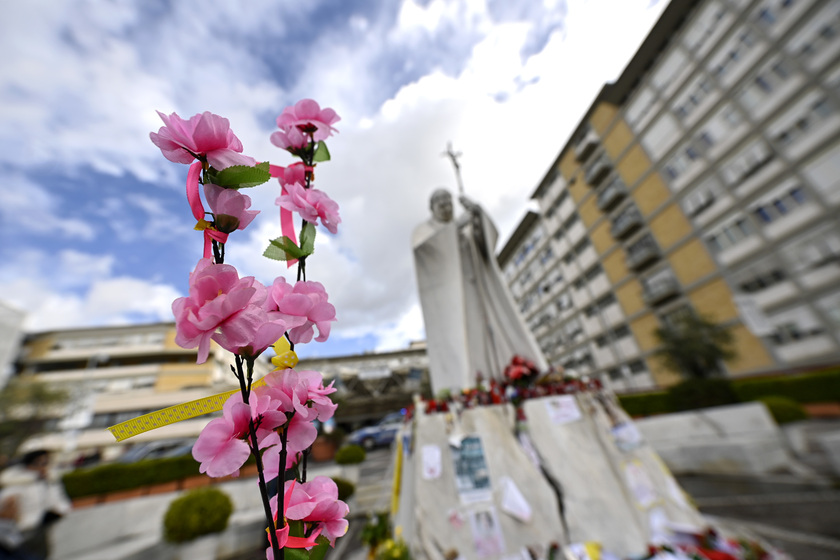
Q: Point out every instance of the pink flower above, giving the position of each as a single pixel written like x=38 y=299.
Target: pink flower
x=304 y=119
x=296 y=502
x=317 y=394
x=217 y=296
x=204 y=135
x=228 y=309
x=311 y=204
x=295 y=173
x=329 y=512
x=229 y=207
x=251 y=331
x=306 y=300
x=221 y=448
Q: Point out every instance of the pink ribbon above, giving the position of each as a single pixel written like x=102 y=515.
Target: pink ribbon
x=209 y=235
x=287 y=223
x=194 y=198
x=192 y=191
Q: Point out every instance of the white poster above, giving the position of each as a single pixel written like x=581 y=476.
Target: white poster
x=627 y=436
x=562 y=409
x=639 y=483
x=431 y=462
x=472 y=476
x=487 y=533
x=513 y=502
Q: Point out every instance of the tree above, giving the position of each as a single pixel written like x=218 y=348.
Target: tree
x=694 y=345
x=25 y=407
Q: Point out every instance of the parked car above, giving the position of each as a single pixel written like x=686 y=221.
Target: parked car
x=158 y=450
x=380 y=434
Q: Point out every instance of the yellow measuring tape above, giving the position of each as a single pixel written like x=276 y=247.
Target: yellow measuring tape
x=285 y=359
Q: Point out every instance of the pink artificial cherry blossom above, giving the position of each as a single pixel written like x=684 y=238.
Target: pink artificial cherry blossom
x=329 y=512
x=296 y=503
x=217 y=296
x=229 y=207
x=299 y=122
x=304 y=299
x=228 y=309
x=204 y=135
x=221 y=448
x=311 y=204
x=317 y=393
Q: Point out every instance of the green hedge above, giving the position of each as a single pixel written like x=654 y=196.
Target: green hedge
x=806 y=388
x=115 y=477
x=783 y=409
x=645 y=404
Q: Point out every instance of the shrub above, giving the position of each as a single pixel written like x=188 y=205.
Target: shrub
x=196 y=513
x=345 y=488
x=350 y=455
x=393 y=550
x=808 y=388
x=783 y=409
x=701 y=393
x=125 y=476
x=645 y=404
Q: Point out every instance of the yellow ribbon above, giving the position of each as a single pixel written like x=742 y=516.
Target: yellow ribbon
x=285 y=359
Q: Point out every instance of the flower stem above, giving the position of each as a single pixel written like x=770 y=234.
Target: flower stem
x=255 y=449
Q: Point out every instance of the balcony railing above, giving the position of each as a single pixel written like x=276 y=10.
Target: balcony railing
x=611 y=195
x=626 y=222
x=597 y=170
x=660 y=289
x=642 y=252
x=586 y=144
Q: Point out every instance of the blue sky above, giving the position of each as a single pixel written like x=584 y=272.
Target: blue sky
x=95 y=226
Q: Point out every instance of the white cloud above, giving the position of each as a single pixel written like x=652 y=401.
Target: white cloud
x=77 y=289
x=27 y=206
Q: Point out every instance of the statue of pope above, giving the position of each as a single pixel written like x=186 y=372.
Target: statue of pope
x=472 y=325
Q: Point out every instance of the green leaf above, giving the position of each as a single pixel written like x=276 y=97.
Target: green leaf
x=321 y=153
x=242 y=176
x=318 y=552
x=283 y=249
x=295 y=554
x=296 y=528
x=307 y=238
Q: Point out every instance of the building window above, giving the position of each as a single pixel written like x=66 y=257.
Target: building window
x=592 y=273
x=747 y=162
x=581 y=246
x=564 y=301
x=824 y=31
x=815 y=116
x=637 y=366
x=778 y=207
x=570 y=221
x=730 y=235
x=556 y=204
x=701 y=197
x=760 y=276
x=746 y=40
x=704 y=26
x=791 y=332
x=699 y=90
x=546 y=255
x=765 y=83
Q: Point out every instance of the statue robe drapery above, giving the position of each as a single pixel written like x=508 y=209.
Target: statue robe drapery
x=472 y=324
